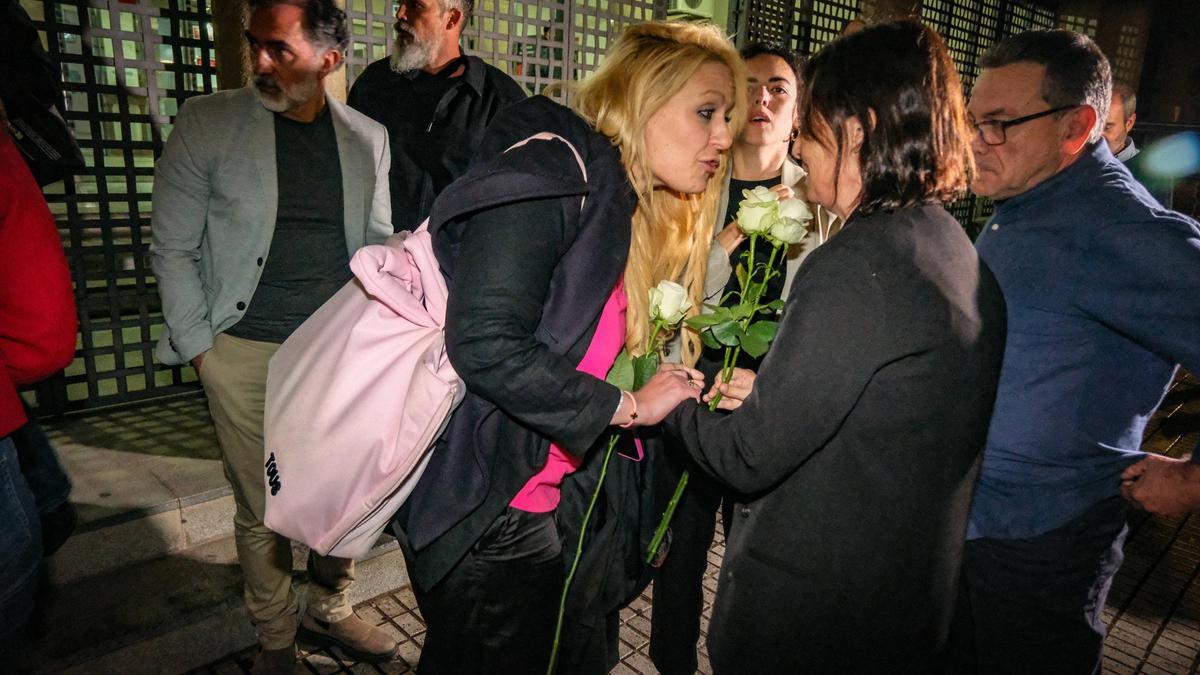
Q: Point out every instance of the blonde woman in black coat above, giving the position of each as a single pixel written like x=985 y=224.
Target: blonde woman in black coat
x=859 y=442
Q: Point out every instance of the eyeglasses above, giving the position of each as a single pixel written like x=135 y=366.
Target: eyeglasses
x=994 y=132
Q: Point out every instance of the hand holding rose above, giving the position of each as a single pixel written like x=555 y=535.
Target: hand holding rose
x=733 y=392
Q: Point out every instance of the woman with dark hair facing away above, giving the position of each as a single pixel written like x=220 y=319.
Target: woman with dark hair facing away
x=858 y=444
x=550 y=265
x=759 y=158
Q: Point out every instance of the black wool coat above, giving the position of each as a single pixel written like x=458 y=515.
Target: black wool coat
x=522 y=389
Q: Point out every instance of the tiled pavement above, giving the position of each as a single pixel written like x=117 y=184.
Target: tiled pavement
x=397 y=613
x=1153 y=613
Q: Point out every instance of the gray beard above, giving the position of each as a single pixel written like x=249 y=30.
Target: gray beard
x=288 y=98
x=417 y=54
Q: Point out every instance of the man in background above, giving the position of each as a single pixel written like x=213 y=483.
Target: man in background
x=1122 y=115
x=1103 y=294
x=261 y=196
x=434 y=100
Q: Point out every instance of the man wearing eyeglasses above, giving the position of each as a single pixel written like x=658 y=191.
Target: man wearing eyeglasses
x=1103 y=295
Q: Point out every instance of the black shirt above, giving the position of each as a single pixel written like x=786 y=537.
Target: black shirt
x=307 y=262
x=711 y=359
x=435 y=124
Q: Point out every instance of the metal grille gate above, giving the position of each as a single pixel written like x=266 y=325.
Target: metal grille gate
x=127 y=66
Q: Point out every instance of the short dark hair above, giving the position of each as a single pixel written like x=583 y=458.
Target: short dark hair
x=324 y=22
x=1077 y=72
x=898 y=79
x=1128 y=97
x=790 y=57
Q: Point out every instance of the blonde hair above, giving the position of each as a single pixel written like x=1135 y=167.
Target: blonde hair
x=672 y=232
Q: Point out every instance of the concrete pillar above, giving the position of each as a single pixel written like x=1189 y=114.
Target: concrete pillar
x=229 y=43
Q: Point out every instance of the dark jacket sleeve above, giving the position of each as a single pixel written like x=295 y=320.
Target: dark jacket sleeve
x=502 y=276
x=827 y=350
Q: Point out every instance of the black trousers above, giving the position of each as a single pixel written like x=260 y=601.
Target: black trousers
x=495 y=612
x=1036 y=605
x=678 y=586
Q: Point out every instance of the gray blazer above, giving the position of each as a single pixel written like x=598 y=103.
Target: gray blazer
x=215 y=198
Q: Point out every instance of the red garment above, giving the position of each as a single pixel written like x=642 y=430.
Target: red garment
x=543 y=492
x=37 y=306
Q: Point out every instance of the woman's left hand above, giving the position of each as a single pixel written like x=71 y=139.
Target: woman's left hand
x=733 y=392
x=670 y=386
x=691 y=374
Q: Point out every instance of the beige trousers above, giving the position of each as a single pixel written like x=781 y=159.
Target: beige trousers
x=234 y=375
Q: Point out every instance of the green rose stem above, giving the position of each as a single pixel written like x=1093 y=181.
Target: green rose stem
x=731 y=355
x=587 y=516
x=562 y=601
x=665 y=523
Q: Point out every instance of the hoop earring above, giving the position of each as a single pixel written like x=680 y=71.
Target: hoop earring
x=794 y=135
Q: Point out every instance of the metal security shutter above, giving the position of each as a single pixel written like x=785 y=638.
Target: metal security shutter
x=126 y=67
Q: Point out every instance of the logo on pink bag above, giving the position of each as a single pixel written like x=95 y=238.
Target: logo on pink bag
x=273 y=475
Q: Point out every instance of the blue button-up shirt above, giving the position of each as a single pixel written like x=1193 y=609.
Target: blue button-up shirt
x=1103 y=293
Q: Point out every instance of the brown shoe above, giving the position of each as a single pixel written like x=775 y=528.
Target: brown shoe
x=355 y=637
x=275 y=661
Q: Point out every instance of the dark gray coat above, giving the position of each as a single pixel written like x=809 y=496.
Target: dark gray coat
x=859 y=446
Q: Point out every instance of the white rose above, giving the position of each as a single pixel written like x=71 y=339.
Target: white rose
x=796 y=209
x=788 y=231
x=793 y=221
x=760 y=194
x=758 y=210
x=669 y=303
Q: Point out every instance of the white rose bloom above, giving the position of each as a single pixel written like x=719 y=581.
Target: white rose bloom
x=758 y=210
x=792 y=225
x=669 y=303
x=760 y=194
x=796 y=209
x=789 y=231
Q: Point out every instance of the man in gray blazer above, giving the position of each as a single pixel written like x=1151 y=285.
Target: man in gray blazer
x=261 y=196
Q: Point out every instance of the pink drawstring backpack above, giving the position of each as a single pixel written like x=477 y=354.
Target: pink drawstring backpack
x=355 y=399
x=357 y=396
